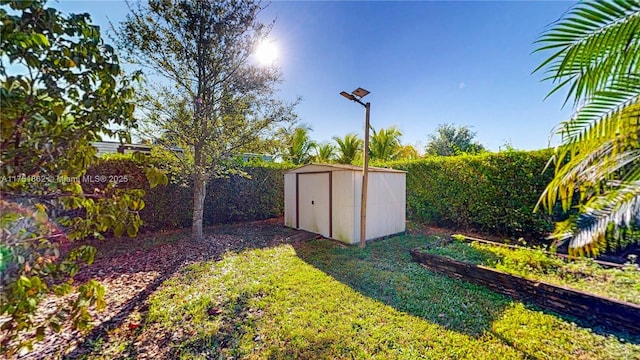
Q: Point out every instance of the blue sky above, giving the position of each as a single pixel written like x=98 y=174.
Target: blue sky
x=425 y=63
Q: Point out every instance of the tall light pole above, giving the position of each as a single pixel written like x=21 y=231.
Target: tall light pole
x=356 y=96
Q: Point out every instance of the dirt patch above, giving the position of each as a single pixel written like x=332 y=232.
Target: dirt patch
x=428 y=230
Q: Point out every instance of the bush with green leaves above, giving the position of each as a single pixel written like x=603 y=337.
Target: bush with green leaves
x=30 y=268
x=256 y=196
x=255 y=191
x=60 y=87
x=490 y=192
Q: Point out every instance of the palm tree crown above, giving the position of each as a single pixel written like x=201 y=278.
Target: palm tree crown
x=596 y=56
x=385 y=144
x=348 y=148
x=324 y=153
x=298 y=150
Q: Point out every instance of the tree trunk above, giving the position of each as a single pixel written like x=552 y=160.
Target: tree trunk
x=199 y=193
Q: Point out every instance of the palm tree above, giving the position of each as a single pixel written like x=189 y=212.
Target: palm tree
x=298 y=149
x=348 y=147
x=325 y=153
x=596 y=56
x=385 y=144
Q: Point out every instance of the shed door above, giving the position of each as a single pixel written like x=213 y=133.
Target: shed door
x=314 y=203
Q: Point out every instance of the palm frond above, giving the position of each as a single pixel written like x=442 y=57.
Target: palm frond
x=606 y=148
x=385 y=143
x=602 y=109
x=563 y=185
x=596 y=42
x=596 y=56
x=610 y=166
x=620 y=207
x=324 y=152
x=299 y=146
x=348 y=147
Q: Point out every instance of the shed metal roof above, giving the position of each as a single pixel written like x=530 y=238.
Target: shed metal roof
x=340 y=167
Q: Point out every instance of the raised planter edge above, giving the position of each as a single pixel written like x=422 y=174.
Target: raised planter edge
x=611 y=313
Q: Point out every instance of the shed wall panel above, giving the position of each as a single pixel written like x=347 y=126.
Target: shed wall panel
x=343 y=206
x=386 y=204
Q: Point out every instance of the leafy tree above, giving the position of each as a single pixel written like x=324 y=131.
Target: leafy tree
x=217 y=102
x=449 y=141
x=596 y=56
x=325 y=153
x=299 y=146
x=408 y=152
x=62 y=86
x=385 y=144
x=348 y=147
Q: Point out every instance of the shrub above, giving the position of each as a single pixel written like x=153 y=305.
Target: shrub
x=490 y=192
x=241 y=198
x=257 y=195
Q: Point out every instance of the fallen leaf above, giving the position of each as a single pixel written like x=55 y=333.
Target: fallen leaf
x=214 y=311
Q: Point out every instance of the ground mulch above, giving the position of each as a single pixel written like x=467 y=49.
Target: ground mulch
x=132 y=269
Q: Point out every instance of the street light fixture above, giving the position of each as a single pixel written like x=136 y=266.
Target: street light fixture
x=356 y=96
x=348 y=96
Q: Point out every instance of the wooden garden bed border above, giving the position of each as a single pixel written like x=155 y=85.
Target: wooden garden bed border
x=611 y=313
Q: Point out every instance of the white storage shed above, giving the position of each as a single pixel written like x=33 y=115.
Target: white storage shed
x=325 y=199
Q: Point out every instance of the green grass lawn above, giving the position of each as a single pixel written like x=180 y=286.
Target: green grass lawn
x=322 y=300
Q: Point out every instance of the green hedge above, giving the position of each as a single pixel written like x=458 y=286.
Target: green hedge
x=231 y=199
x=491 y=192
x=238 y=198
